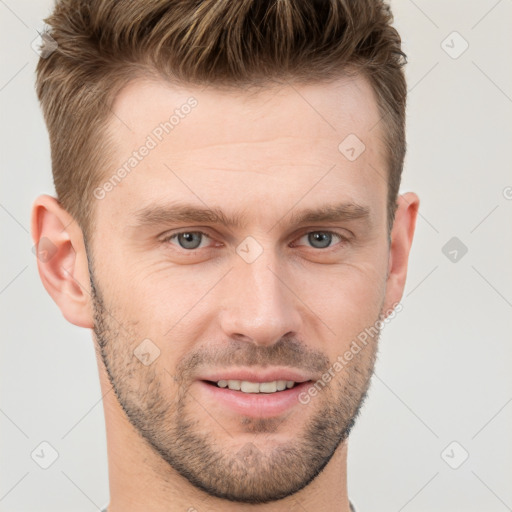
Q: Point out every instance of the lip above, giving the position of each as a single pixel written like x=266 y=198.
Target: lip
x=254 y=405
x=268 y=375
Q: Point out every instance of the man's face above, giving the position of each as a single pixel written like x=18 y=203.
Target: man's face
x=271 y=298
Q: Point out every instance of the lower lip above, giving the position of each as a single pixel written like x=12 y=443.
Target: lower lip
x=255 y=405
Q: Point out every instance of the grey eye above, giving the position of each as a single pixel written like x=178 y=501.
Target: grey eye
x=319 y=239
x=186 y=240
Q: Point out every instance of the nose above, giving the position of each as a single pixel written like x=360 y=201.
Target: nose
x=259 y=302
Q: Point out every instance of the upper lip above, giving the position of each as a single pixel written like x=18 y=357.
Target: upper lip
x=264 y=375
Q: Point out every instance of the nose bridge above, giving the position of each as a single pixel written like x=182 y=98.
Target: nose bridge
x=258 y=304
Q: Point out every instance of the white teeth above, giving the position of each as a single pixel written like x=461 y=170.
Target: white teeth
x=256 y=387
x=249 y=387
x=234 y=384
x=281 y=385
x=268 y=387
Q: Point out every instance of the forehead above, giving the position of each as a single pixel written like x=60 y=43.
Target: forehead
x=212 y=144
x=316 y=110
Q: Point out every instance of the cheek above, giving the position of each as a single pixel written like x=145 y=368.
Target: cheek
x=350 y=299
x=163 y=303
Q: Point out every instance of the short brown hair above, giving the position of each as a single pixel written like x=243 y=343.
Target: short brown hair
x=104 y=44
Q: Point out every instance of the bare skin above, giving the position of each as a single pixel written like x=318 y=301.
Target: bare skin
x=207 y=308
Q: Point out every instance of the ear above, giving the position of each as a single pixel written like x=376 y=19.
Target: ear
x=62 y=260
x=401 y=241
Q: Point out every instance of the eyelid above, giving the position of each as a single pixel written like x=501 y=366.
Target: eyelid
x=167 y=237
x=343 y=238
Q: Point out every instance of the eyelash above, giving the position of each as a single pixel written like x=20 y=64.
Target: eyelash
x=342 y=238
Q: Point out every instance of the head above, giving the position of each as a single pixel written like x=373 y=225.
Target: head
x=227 y=208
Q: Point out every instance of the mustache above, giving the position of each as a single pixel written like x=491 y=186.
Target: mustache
x=286 y=352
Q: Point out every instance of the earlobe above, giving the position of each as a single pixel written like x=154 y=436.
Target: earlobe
x=62 y=260
x=401 y=241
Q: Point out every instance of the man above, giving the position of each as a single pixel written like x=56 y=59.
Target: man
x=228 y=224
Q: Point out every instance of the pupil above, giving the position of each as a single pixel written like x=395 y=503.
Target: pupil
x=323 y=238
x=188 y=240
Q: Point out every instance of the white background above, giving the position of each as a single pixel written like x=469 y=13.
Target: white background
x=443 y=372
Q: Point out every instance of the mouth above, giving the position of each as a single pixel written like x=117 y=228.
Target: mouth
x=253 y=399
x=245 y=386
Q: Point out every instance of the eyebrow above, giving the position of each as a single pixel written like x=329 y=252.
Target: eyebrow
x=189 y=213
